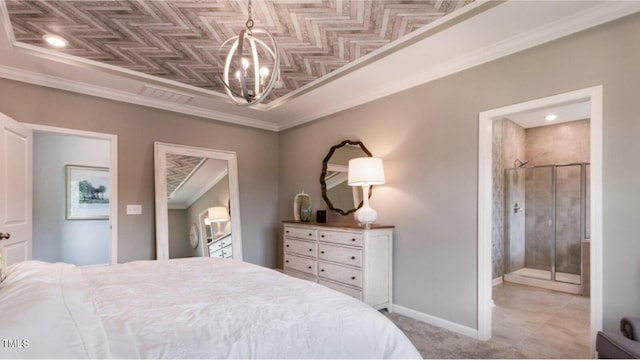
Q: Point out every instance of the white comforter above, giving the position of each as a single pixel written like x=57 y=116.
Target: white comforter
x=186 y=308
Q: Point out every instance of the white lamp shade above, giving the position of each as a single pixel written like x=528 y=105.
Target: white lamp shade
x=366 y=171
x=218 y=214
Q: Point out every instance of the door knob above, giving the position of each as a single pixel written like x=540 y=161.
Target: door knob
x=4 y=236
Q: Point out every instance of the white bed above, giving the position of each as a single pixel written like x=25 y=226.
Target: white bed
x=185 y=308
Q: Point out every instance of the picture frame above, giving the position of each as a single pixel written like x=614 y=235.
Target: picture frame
x=87 y=192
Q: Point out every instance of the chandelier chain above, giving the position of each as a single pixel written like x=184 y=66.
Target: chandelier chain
x=249 y=23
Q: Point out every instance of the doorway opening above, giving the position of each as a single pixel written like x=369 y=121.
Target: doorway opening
x=75 y=196
x=561 y=198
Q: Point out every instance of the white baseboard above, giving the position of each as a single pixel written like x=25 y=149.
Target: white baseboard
x=436 y=321
x=497 y=281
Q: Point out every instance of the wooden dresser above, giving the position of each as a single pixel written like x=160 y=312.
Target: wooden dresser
x=346 y=258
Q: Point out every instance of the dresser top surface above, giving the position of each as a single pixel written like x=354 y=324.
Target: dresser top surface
x=338 y=225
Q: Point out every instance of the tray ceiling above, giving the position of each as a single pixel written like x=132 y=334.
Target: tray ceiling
x=178 y=40
x=336 y=54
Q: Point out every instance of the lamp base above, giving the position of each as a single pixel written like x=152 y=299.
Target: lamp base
x=366 y=216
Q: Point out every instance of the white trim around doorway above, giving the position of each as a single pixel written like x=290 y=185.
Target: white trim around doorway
x=113 y=178
x=485 y=131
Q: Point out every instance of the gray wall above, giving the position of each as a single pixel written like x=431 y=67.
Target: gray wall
x=80 y=242
x=428 y=138
x=137 y=128
x=179 y=225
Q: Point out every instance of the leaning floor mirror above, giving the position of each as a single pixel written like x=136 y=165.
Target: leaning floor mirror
x=197 y=202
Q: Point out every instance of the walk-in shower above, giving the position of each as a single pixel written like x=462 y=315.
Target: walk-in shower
x=546 y=225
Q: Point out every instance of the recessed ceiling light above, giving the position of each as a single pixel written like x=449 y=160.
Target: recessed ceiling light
x=55 y=40
x=551 y=117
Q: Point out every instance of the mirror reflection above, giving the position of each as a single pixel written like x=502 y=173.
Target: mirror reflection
x=197 y=198
x=336 y=192
x=197 y=202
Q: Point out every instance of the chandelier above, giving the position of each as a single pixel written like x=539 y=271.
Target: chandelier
x=252 y=65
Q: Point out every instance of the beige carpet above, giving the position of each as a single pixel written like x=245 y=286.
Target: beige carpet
x=436 y=343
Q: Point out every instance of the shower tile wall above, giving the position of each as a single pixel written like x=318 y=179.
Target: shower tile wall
x=514 y=138
x=516 y=202
x=508 y=144
x=558 y=144
x=497 y=207
x=555 y=144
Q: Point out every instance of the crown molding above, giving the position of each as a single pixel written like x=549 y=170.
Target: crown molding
x=594 y=16
x=127 y=97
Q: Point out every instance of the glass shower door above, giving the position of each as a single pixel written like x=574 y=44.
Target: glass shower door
x=529 y=218
x=569 y=217
x=539 y=222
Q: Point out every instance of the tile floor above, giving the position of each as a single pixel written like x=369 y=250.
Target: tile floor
x=541 y=323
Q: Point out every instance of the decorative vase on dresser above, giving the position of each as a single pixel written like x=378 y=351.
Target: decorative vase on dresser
x=347 y=258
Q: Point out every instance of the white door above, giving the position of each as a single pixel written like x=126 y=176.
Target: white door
x=15 y=190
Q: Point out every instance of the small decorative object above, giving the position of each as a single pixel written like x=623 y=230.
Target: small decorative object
x=321 y=216
x=194 y=237
x=302 y=207
x=87 y=193
x=366 y=171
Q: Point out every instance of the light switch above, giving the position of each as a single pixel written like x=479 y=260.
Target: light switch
x=134 y=209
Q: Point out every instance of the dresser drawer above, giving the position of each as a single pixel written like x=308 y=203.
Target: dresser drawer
x=302 y=233
x=301 y=247
x=299 y=263
x=226 y=252
x=343 y=289
x=341 y=254
x=300 y=275
x=339 y=273
x=345 y=238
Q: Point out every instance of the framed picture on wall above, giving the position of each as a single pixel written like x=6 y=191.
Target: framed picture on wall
x=87 y=192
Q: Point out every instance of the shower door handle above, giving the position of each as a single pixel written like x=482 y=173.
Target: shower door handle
x=517 y=208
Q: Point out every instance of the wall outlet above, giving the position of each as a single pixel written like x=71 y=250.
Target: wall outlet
x=134 y=209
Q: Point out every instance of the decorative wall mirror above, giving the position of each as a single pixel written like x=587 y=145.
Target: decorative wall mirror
x=338 y=195
x=197 y=202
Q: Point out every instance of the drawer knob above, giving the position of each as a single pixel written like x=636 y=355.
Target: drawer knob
x=354 y=239
x=286 y=261
x=310 y=266
x=353 y=278
x=310 y=249
x=353 y=258
x=322 y=235
x=310 y=234
x=287 y=231
x=322 y=252
x=322 y=270
x=287 y=245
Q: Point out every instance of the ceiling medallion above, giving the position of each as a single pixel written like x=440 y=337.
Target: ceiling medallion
x=252 y=65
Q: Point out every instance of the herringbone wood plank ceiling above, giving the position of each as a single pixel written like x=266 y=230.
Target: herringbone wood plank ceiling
x=179 y=39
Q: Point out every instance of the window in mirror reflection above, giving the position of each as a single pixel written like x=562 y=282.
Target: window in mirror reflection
x=194 y=186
